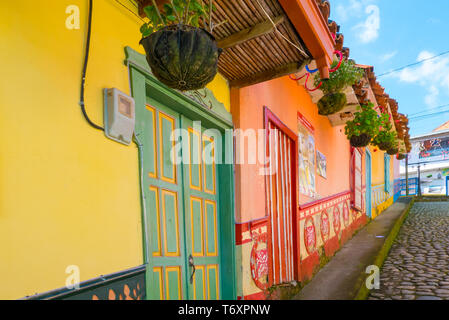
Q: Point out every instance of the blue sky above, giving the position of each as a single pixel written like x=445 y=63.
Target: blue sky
x=389 y=34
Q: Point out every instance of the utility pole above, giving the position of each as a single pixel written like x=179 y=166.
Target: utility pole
x=406 y=176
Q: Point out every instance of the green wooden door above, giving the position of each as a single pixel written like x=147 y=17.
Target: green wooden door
x=182 y=206
x=164 y=206
x=201 y=209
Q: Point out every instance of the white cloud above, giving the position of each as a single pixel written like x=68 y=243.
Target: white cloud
x=351 y=9
x=388 y=56
x=366 y=17
x=344 y=12
x=433 y=75
x=341 y=13
x=431 y=98
x=368 y=30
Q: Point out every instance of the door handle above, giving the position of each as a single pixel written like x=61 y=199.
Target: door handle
x=192 y=264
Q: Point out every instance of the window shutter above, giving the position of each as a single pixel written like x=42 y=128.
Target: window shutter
x=387 y=173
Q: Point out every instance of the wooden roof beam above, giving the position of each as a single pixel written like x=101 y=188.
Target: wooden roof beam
x=278 y=72
x=253 y=32
x=306 y=17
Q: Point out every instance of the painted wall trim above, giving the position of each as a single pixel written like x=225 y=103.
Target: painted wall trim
x=315 y=202
x=90 y=284
x=203 y=97
x=307 y=19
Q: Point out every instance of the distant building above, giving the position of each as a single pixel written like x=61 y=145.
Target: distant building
x=444 y=126
x=430 y=152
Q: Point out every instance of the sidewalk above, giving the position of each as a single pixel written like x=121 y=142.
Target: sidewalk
x=344 y=276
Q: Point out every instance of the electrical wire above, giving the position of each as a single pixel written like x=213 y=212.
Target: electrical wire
x=143 y=198
x=124 y=6
x=413 y=64
x=83 y=76
x=428 y=110
x=141 y=178
x=430 y=115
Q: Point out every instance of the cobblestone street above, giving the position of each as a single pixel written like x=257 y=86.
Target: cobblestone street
x=418 y=264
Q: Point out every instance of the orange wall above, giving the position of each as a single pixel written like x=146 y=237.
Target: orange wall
x=285 y=98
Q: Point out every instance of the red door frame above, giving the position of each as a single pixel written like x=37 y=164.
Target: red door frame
x=269 y=116
x=353 y=175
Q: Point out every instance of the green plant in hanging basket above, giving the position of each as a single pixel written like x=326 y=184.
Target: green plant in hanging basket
x=334 y=99
x=386 y=139
x=401 y=156
x=364 y=127
x=393 y=151
x=180 y=52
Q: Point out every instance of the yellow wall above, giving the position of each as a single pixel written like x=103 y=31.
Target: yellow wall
x=220 y=87
x=378 y=177
x=68 y=195
x=377 y=166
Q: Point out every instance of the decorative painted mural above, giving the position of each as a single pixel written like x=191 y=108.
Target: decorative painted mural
x=324 y=221
x=336 y=218
x=306 y=158
x=310 y=235
x=325 y=227
x=259 y=260
x=252 y=237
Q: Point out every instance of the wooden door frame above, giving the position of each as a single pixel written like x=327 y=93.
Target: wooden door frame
x=144 y=84
x=353 y=169
x=270 y=116
x=368 y=187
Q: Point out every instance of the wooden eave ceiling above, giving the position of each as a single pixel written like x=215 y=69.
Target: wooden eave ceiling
x=253 y=51
x=383 y=99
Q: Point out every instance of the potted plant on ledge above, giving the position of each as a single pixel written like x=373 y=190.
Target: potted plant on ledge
x=364 y=127
x=334 y=98
x=181 y=54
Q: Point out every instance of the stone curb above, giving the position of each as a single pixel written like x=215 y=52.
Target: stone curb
x=363 y=291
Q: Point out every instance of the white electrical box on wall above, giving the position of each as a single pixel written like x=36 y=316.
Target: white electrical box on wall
x=119 y=116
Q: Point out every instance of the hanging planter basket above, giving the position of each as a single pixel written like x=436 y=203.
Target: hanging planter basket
x=360 y=141
x=331 y=103
x=182 y=57
x=401 y=156
x=384 y=146
x=392 y=151
x=361 y=130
